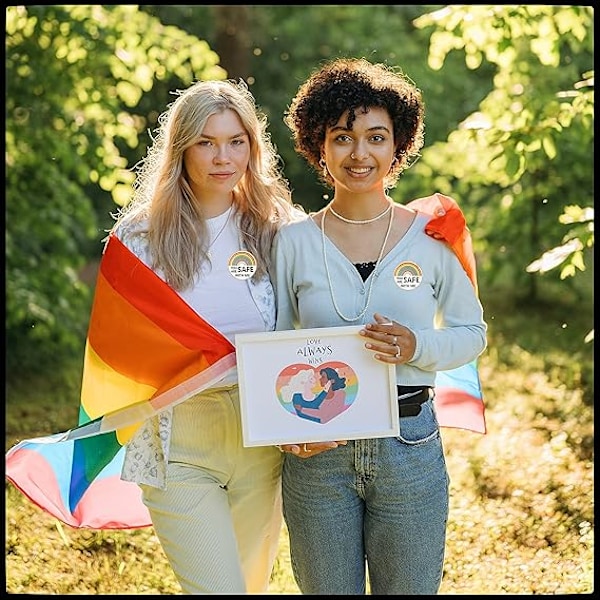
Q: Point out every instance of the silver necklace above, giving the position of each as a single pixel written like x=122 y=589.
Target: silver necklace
x=363 y=312
x=212 y=243
x=357 y=222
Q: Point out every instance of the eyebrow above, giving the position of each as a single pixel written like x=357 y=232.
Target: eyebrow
x=232 y=137
x=376 y=128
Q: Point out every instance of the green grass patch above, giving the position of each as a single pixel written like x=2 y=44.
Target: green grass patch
x=522 y=504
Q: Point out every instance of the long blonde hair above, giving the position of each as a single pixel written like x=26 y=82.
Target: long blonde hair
x=176 y=229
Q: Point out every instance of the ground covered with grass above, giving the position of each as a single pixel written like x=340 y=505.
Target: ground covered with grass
x=522 y=504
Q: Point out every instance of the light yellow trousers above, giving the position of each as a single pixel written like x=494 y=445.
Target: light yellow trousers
x=219 y=518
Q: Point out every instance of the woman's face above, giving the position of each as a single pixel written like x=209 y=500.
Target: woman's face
x=218 y=160
x=310 y=381
x=358 y=159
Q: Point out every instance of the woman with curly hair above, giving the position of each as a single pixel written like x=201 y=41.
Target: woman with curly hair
x=371 y=504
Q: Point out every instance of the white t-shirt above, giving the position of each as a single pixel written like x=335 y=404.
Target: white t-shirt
x=219 y=297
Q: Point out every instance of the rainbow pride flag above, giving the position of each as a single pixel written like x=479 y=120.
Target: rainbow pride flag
x=146 y=350
x=458 y=392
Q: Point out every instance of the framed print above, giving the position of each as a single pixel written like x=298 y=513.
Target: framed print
x=313 y=385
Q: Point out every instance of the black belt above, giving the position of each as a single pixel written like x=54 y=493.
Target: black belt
x=411 y=397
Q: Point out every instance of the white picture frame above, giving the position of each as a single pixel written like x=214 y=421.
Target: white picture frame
x=313 y=385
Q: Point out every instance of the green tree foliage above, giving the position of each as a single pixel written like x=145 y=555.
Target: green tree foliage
x=509 y=113
x=523 y=159
x=283 y=44
x=74 y=76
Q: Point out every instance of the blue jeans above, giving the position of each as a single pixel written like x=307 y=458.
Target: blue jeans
x=377 y=503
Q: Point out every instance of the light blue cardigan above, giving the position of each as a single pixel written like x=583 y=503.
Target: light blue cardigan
x=443 y=311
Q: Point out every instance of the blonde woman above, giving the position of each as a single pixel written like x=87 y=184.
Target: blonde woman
x=209 y=191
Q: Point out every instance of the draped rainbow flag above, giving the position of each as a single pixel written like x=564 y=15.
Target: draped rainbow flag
x=146 y=350
x=458 y=392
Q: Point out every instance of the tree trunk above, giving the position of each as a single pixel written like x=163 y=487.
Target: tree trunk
x=233 y=39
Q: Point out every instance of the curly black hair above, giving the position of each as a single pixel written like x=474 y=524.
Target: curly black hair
x=351 y=84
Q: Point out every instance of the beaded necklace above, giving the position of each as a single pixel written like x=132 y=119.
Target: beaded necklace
x=363 y=312
x=359 y=222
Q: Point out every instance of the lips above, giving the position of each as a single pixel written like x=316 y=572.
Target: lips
x=359 y=170
x=222 y=176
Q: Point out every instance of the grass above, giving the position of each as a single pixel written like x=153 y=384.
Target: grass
x=522 y=505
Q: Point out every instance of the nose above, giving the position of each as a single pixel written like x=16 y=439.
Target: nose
x=221 y=154
x=360 y=152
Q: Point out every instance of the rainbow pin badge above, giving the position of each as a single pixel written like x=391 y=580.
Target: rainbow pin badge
x=242 y=264
x=408 y=275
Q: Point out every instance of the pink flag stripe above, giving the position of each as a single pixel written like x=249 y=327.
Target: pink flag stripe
x=457 y=409
x=109 y=502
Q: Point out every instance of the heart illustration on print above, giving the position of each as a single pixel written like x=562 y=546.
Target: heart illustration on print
x=317 y=393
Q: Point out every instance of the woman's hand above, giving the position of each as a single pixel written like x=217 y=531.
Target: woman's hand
x=310 y=448
x=393 y=343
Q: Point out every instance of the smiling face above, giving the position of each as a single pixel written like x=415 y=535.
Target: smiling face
x=358 y=159
x=219 y=159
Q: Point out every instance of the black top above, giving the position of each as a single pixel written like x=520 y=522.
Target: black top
x=365 y=268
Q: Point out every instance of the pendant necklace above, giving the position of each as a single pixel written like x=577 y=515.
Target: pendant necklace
x=366 y=221
x=363 y=312
x=216 y=237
